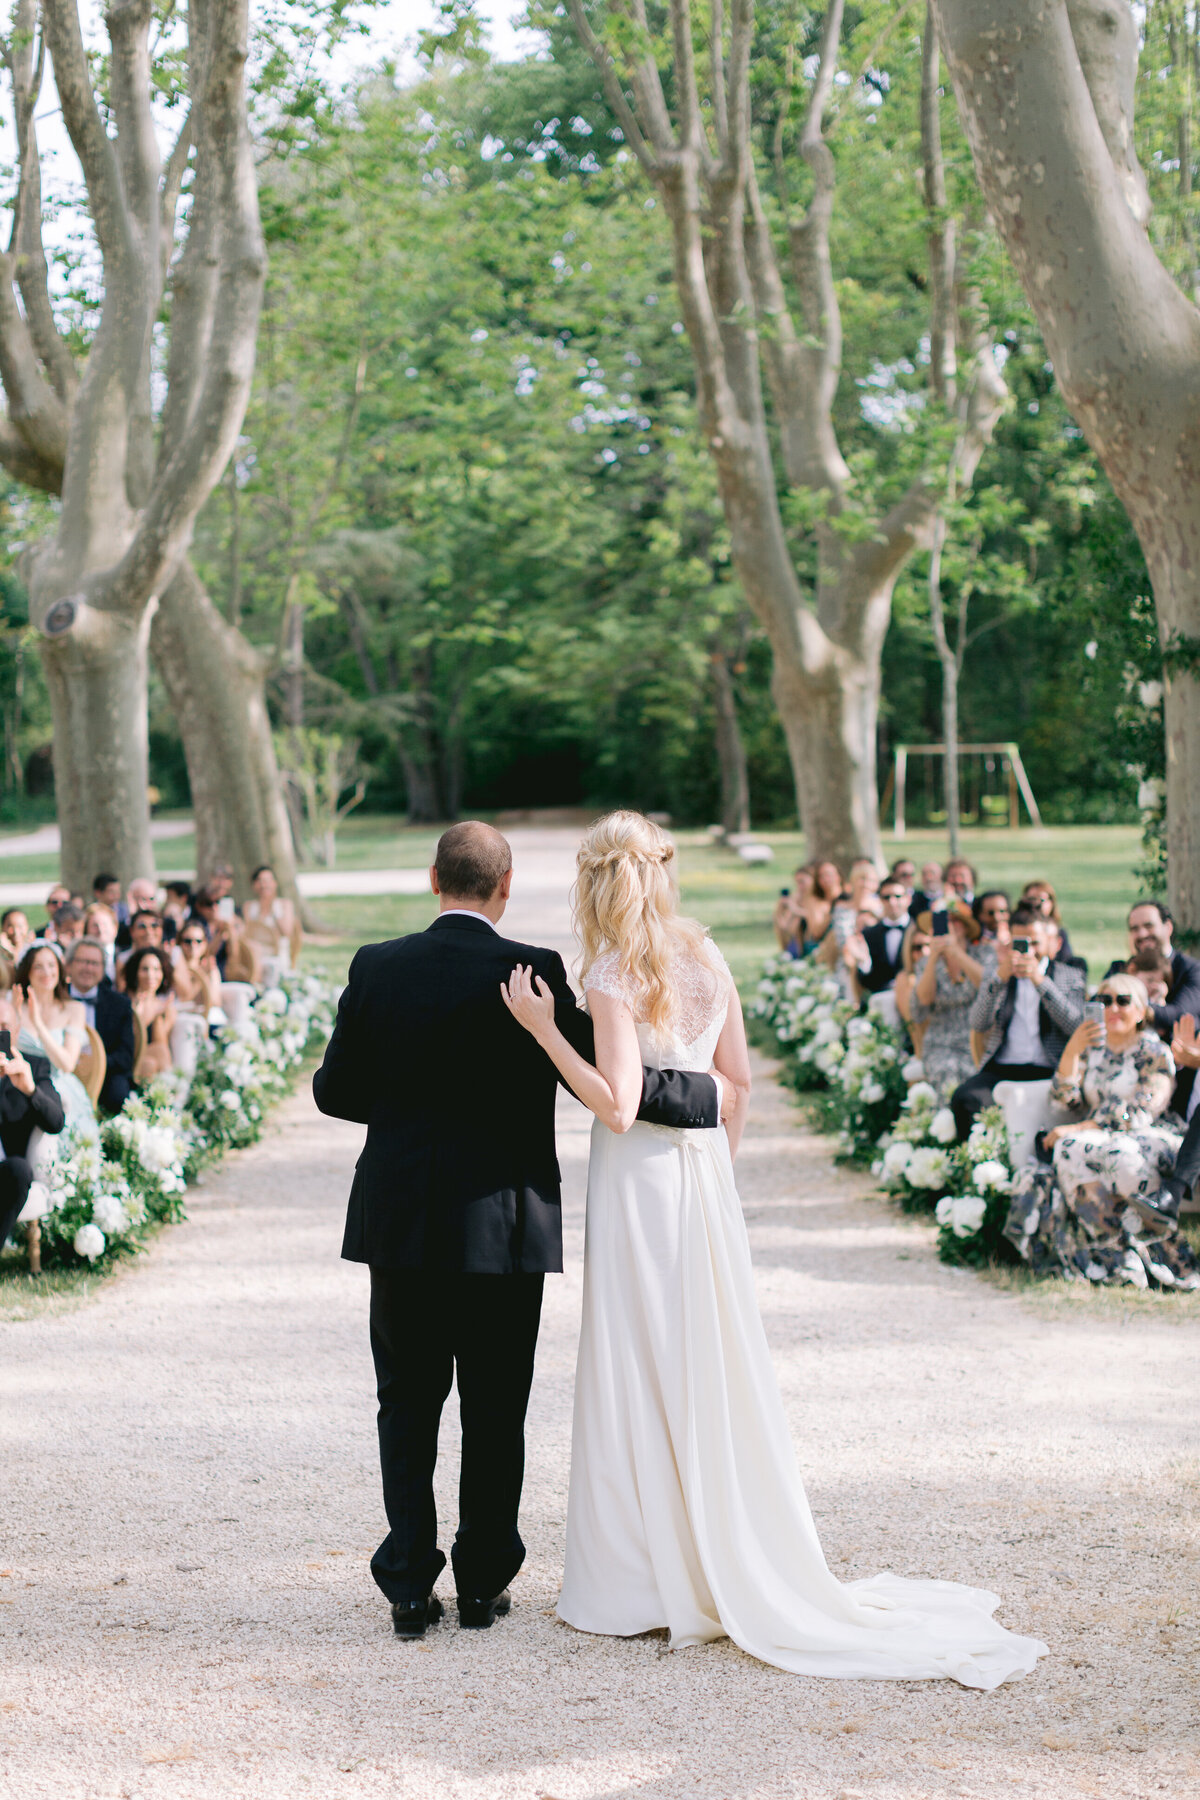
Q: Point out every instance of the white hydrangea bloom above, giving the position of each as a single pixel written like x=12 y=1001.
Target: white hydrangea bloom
x=109 y=1214
x=873 y=1091
x=913 y=1070
x=89 y=1242
x=897 y=1157
x=942 y=1126
x=991 y=1177
x=967 y=1215
x=922 y=1093
x=927 y=1167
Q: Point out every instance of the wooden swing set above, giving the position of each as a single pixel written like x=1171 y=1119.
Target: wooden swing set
x=1000 y=785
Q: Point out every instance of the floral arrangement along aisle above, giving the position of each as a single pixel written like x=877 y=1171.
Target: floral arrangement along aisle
x=871 y=1092
x=98 y=1193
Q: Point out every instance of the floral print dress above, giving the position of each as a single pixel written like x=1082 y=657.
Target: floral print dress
x=1079 y=1217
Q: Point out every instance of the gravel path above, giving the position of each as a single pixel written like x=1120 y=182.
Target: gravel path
x=191 y=1499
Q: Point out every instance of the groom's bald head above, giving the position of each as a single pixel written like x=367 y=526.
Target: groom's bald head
x=472 y=860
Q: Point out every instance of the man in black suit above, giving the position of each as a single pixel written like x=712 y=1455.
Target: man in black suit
x=885 y=941
x=1151 y=927
x=28 y=1101
x=110 y=1012
x=455 y=1206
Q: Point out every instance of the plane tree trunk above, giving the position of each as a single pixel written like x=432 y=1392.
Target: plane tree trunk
x=130 y=486
x=1046 y=92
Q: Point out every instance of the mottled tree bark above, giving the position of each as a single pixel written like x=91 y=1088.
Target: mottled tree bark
x=1046 y=90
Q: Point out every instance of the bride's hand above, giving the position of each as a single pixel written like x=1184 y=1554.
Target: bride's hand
x=532 y=1009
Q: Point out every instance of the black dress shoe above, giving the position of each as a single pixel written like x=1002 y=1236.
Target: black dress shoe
x=410 y=1617
x=477 y=1615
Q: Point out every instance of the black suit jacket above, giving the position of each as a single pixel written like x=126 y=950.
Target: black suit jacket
x=114 y=1025
x=883 y=970
x=459 y=1171
x=21 y=1114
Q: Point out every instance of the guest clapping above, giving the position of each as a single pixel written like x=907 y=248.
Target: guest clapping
x=148 y=982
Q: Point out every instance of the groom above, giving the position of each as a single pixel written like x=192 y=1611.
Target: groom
x=455 y=1206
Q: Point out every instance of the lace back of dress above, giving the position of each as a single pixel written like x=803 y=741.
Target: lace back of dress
x=701 y=986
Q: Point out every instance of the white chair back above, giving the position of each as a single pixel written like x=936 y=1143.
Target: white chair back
x=188 y=1037
x=1027 y=1110
x=237 y=997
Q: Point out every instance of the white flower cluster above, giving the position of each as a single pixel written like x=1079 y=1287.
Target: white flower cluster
x=97 y=1187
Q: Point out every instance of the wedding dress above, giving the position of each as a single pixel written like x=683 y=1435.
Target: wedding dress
x=686 y=1507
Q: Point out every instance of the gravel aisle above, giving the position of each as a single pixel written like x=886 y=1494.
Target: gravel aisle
x=191 y=1499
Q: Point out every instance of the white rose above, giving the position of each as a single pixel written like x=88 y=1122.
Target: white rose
x=1150 y=795
x=873 y=1091
x=89 y=1242
x=942 y=1126
x=913 y=1069
x=230 y=1100
x=1150 y=692
x=858 y=1028
x=109 y=1214
x=944 y=1211
x=274 y=1001
x=803 y=1006
x=967 y=1215
x=921 y=1094
x=827 y=1032
x=927 y=1167
x=991 y=1176
x=897 y=1157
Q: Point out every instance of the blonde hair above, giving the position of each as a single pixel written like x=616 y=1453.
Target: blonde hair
x=1136 y=986
x=625 y=900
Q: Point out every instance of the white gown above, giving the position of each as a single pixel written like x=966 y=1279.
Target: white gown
x=686 y=1506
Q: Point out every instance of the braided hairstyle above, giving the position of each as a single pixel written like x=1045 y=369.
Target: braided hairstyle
x=625 y=900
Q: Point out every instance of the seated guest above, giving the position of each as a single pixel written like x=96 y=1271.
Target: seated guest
x=864 y=886
x=912 y=957
x=884 y=941
x=197 y=979
x=1040 y=897
x=100 y=925
x=52 y=1025
x=992 y=911
x=1027 y=1007
x=148 y=982
x=846 y=959
x=142 y=897
x=932 y=892
x=177 y=905
x=66 y=925
x=106 y=891
x=960 y=880
x=58 y=896
x=942 y=997
x=14 y=935
x=220 y=886
x=236 y=957
x=145 y=933
x=1153 y=969
x=788 y=916
x=29 y=1102
x=1151 y=927
x=904 y=870
x=1095 y=1212
x=110 y=1015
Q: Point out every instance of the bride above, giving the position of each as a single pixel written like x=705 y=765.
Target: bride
x=686 y=1507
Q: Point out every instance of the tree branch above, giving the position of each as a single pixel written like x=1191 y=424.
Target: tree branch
x=132 y=88
x=25 y=465
x=186 y=476
x=96 y=152
x=613 y=90
x=716 y=57
x=940 y=225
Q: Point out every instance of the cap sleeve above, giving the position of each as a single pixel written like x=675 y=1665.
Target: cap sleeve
x=607 y=977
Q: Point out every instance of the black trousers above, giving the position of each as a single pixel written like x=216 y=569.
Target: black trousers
x=16 y=1179
x=427 y=1329
x=976 y=1091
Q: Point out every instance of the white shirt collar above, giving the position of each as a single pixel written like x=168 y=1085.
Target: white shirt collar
x=465 y=912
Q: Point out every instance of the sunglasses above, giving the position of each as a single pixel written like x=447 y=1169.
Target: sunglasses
x=1117 y=1000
